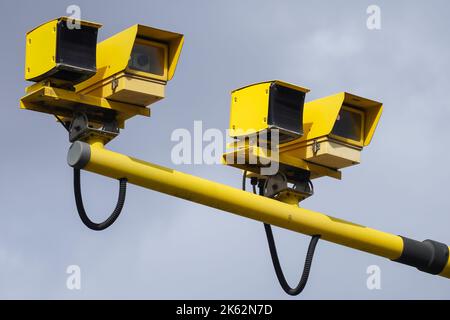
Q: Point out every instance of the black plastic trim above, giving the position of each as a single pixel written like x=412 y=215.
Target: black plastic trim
x=428 y=256
x=286 y=111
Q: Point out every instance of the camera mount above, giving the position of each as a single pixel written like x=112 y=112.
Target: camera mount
x=281 y=188
x=80 y=130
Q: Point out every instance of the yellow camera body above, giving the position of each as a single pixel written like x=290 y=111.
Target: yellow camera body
x=108 y=82
x=262 y=107
x=333 y=132
x=59 y=52
x=134 y=66
x=336 y=130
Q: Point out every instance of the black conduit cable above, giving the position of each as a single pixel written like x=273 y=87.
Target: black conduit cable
x=276 y=263
x=274 y=254
x=79 y=199
x=80 y=207
x=62 y=123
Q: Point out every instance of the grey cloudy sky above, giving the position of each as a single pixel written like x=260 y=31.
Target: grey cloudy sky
x=163 y=247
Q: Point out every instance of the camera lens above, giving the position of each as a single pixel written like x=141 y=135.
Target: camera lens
x=142 y=60
x=147 y=58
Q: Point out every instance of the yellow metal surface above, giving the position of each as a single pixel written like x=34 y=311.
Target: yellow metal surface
x=40 y=49
x=36 y=86
x=333 y=155
x=324 y=151
x=64 y=103
x=113 y=54
x=290 y=198
x=253 y=158
x=446 y=271
x=249 y=109
x=129 y=89
x=250 y=106
x=246 y=204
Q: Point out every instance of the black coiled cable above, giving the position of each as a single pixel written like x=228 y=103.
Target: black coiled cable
x=80 y=207
x=274 y=254
x=276 y=263
x=79 y=199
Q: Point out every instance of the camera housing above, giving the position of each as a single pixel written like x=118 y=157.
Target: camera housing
x=335 y=131
x=134 y=66
x=60 y=53
x=337 y=128
x=101 y=84
x=259 y=108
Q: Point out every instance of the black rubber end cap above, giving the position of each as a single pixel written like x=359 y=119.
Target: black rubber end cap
x=428 y=256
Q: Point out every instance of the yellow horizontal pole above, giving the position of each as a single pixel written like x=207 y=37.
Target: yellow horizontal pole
x=446 y=272
x=95 y=158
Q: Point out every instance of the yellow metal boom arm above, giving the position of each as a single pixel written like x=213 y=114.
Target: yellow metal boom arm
x=428 y=256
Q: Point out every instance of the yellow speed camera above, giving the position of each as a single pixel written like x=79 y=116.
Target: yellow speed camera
x=101 y=85
x=334 y=131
